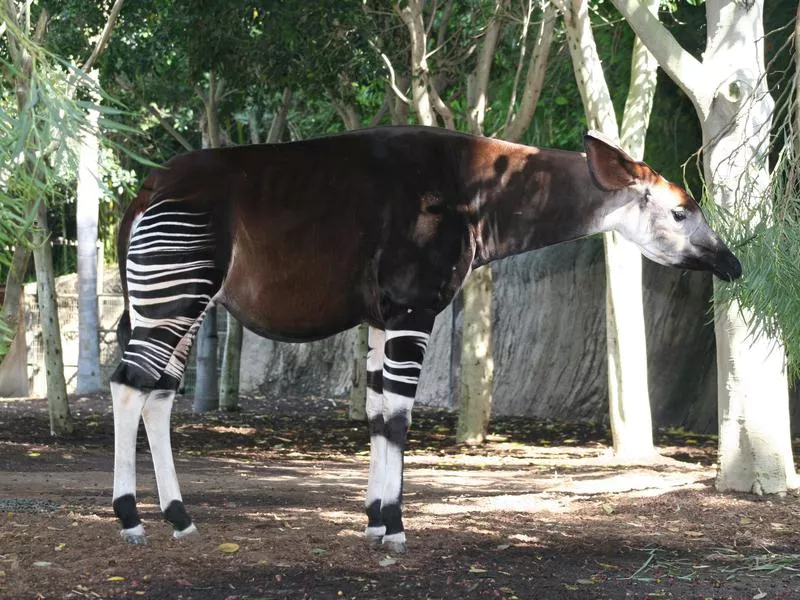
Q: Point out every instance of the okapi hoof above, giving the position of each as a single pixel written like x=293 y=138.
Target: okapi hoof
x=374 y=535
x=190 y=532
x=134 y=536
x=395 y=543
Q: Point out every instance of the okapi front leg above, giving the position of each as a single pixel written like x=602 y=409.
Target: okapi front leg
x=407 y=338
x=377 y=440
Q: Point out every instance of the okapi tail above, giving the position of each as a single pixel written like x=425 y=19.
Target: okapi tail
x=136 y=208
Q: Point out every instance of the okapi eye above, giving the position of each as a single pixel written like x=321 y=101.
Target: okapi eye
x=679 y=214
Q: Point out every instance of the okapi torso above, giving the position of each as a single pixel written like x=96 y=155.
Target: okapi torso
x=303 y=240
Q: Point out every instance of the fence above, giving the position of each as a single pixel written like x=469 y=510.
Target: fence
x=110 y=309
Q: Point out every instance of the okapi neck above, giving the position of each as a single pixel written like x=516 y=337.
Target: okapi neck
x=527 y=198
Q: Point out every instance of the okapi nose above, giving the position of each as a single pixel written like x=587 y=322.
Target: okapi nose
x=728 y=266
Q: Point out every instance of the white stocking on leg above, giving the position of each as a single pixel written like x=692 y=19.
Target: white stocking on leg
x=127 y=403
x=156 y=414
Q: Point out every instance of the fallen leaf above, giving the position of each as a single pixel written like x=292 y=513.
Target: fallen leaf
x=504 y=546
x=319 y=551
x=745 y=521
x=387 y=561
x=116 y=578
x=608 y=508
x=695 y=533
x=59 y=547
x=42 y=563
x=760 y=595
x=34 y=454
x=585 y=581
x=474 y=569
x=228 y=547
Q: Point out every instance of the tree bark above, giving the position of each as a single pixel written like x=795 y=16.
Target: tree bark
x=626 y=346
x=90 y=378
x=358 y=392
x=729 y=91
x=206 y=388
x=518 y=121
x=477 y=363
x=60 y=417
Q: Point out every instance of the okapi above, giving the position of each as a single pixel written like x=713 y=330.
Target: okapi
x=303 y=240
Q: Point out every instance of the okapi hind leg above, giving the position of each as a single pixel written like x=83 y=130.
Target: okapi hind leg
x=156 y=416
x=128 y=403
x=377 y=440
x=407 y=337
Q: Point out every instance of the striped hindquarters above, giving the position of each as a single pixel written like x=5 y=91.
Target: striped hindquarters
x=172 y=276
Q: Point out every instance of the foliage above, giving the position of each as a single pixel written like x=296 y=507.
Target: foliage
x=768 y=241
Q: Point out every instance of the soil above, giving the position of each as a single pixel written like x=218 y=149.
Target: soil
x=538 y=512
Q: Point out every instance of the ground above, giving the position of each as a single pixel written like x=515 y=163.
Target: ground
x=276 y=490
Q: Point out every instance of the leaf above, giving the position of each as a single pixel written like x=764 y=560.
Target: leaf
x=34 y=454
x=42 y=563
x=387 y=561
x=585 y=581
x=504 y=546
x=608 y=509
x=760 y=595
x=319 y=551
x=745 y=521
x=116 y=578
x=228 y=547
x=695 y=533
x=474 y=569
x=60 y=547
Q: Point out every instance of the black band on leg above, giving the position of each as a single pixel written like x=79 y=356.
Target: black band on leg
x=375 y=381
x=374 y=514
x=176 y=514
x=125 y=510
x=392 y=517
x=376 y=426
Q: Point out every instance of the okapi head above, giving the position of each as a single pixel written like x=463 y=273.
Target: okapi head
x=658 y=216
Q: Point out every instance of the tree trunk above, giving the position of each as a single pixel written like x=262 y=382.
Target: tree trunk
x=206 y=387
x=477 y=364
x=60 y=417
x=358 y=393
x=231 y=363
x=626 y=347
x=90 y=378
x=12 y=303
x=729 y=91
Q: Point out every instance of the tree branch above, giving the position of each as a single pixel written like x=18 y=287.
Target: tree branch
x=483 y=68
x=104 y=36
x=392 y=76
x=534 y=80
x=684 y=69
x=164 y=122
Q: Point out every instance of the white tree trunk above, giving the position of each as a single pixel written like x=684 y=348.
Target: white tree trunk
x=626 y=346
x=477 y=363
x=730 y=94
x=90 y=378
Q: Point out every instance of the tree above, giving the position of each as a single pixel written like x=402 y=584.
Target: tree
x=430 y=106
x=629 y=402
x=232 y=352
x=730 y=95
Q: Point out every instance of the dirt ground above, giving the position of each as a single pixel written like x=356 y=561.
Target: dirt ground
x=537 y=513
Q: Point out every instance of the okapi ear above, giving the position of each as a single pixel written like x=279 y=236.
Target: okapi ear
x=610 y=166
